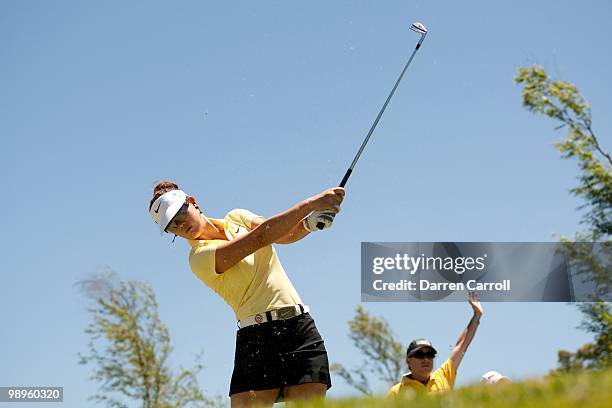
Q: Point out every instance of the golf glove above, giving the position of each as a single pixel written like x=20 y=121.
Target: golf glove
x=315 y=217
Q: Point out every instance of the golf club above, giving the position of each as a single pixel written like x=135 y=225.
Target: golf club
x=419 y=28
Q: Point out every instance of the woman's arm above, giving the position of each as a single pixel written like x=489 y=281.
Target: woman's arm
x=468 y=334
x=273 y=229
x=295 y=234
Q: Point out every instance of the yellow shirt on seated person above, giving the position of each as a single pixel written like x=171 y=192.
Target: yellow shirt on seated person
x=443 y=379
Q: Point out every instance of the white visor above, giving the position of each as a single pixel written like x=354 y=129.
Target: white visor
x=166 y=206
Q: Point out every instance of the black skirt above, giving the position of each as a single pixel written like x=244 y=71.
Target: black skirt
x=279 y=353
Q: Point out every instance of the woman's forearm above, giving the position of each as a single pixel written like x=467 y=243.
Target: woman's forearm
x=287 y=226
x=297 y=232
x=274 y=228
x=464 y=341
x=229 y=253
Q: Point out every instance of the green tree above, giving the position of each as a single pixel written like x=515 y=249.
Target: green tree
x=598 y=321
x=384 y=356
x=129 y=348
x=564 y=103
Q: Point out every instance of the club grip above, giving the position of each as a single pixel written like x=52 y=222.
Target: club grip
x=345 y=178
x=320 y=225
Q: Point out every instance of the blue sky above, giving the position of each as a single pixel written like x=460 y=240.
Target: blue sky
x=257 y=106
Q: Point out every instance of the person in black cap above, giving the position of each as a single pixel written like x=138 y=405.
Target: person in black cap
x=421 y=353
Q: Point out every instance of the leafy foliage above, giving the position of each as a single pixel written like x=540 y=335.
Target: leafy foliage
x=129 y=348
x=384 y=355
x=597 y=320
x=563 y=102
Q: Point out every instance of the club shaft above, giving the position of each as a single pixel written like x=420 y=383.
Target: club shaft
x=367 y=138
x=348 y=173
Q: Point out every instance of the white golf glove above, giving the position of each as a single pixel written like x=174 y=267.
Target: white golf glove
x=315 y=217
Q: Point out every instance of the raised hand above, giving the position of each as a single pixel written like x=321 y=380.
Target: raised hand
x=475 y=303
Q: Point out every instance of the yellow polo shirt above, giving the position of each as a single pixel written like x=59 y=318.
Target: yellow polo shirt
x=443 y=379
x=256 y=284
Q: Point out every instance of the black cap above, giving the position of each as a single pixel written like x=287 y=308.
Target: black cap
x=418 y=344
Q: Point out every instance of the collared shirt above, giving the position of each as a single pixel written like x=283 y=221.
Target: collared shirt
x=256 y=284
x=443 y=379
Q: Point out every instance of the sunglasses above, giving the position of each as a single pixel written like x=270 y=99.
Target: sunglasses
x=184 y=208
x=424 y=354
x=182 y=211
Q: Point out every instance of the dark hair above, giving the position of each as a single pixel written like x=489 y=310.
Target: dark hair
x=162 y=188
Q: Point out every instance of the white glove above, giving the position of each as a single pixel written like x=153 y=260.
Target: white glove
x=326 y=217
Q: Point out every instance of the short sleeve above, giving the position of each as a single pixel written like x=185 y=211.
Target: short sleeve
x=242 y=217
x=202 y=262
x=448 y=371
x=394 y=391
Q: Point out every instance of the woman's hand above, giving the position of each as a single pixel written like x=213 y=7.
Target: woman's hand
x=325 y=217
x=327 y=200
x=475 y=303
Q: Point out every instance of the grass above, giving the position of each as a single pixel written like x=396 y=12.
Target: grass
x=583 y=390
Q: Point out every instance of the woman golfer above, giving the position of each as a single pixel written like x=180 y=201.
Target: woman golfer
x=279 y=352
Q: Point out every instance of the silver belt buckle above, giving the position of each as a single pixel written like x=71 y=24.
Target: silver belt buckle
x=285 y=313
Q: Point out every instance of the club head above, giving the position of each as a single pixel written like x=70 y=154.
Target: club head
x=419 y=28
